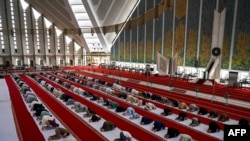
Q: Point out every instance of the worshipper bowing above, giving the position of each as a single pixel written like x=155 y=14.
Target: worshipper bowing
x=146 y=120
x=171 y=133
x=182 y=116
x=107 y=126
x=94 y=118
x=59 y=133
x=129 y=111
x=158 y=125
x=194 y=122
x=166 y=112
x=124 y=136
x=213 y=127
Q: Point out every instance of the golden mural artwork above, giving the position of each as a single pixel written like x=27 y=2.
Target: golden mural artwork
x=241 y=51
x=180 y=9
x=134 y=52
x=179 y=38
x=205 y=50
x=179 y=42
x=149 y=52
x=121 y=49
x=168 y=44
x=127 y=51
x=141 y=51
x=226 y=52
x=191 y=49
x=157 y=48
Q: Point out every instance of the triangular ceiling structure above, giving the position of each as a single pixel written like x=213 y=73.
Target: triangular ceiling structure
x=79 y=17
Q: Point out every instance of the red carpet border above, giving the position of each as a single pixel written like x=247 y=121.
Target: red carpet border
x=184 y=129
x=124 y=124
x=233 y=111
x=80 y=130
x=236 y=93
x=204 y=120
x=25 y=122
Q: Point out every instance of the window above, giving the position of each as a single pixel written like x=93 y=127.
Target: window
x=61 y=62
x=1 y=33
x=13 y=25
x=79 y=61
x=41 y=62
x=18 y=63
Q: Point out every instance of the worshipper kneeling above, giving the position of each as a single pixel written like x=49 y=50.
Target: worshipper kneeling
x=183 y=105
x=195 y=122
x=213 y=114
x=185 y=137
x=36 y=105
x=134 y=116
x=145 y=120
x=202 y=111
x=243 y=122
x=31 y=98
x=141 y=102
x=158 y=125
x=223 y=117
x=149 y=106
x=70 y=101
x=124 y=136
x=45 y=119
x=182 y=116
x=60 y=132
x=65 y=97
x=172 y=132
x=79 y=107
x=192 y=108
x=113 y=105
x=100 y=100
x=129 y=111
x=107 y=126
x=89 y=113
x=48 y=123
x=213 y=127
x=166 y=112
x=94 y=118
x=174 y=103
x=43 y=113
x=119 y=109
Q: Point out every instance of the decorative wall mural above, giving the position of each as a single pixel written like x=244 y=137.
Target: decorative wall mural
x=144 y=50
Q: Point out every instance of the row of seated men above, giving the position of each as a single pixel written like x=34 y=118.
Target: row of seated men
x=182 y=116
x=175 y=103
x=40 y=113
x=172 y=132
x=78 y=107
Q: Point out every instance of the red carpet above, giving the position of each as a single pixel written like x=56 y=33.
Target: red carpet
x=235 y=93
x=24 y=121
x=184 y=129
x=204 y=120
x=233 y=111
x=123 y=124
x=78 y=128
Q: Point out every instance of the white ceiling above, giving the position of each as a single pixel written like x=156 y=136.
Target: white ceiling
x=84 y=14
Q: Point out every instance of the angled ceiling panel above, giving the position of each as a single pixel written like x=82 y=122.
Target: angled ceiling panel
x=84 y=14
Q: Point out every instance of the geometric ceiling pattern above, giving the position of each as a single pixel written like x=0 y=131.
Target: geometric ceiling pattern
x=81 y=16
